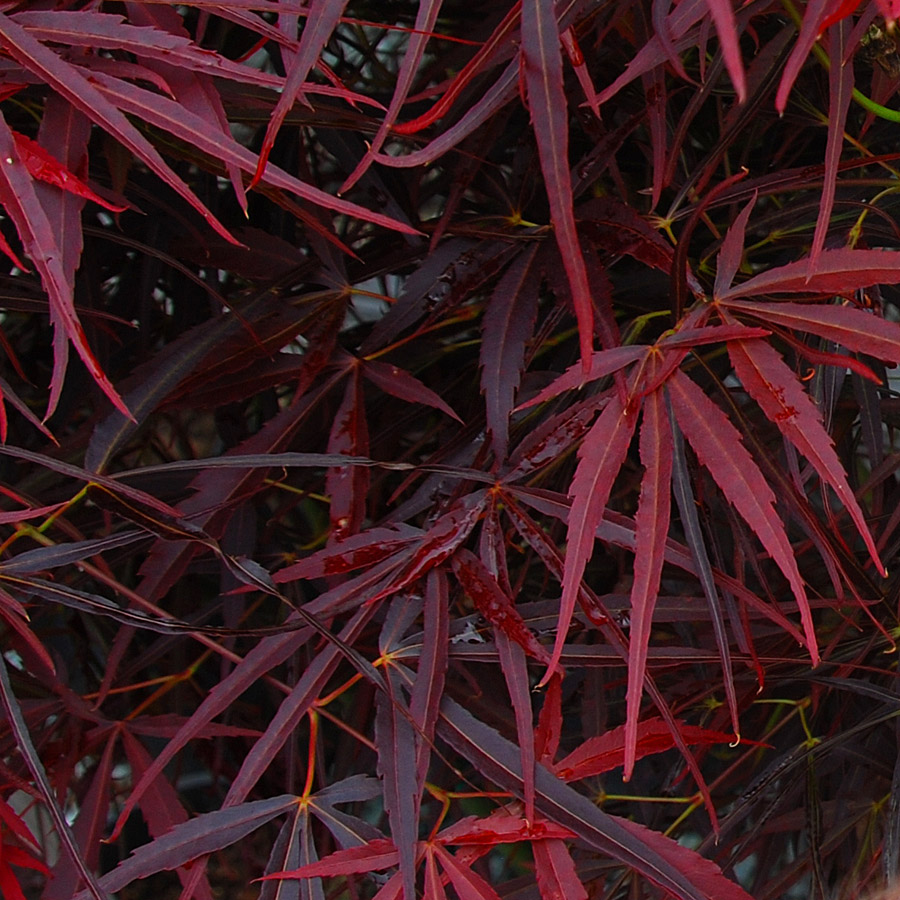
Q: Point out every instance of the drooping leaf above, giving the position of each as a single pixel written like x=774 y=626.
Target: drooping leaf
x=496 y=607
x=783 y=399
x=19 y=199
x=813 y=21
x=427 y=12
x=651 y=531
x=840 y=89
x=508 y=322
x=600 y=458
x=722 y=12
x=718 y=446
x=547 y=102
x=321 y=19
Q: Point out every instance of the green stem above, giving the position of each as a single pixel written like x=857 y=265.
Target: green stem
x=867 y=103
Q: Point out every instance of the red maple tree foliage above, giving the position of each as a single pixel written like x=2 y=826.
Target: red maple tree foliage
x=476 y=475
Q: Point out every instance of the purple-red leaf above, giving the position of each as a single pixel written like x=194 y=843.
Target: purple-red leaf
x=600 y=458
x=498 y=759
x=813 y=19
x=396 y=743
x=726 y=27
x=322 y=18
x=855 y=329
x=784 y=400
x=494 y=604
x=19 y=199
x=602 y=363
x=555 y=870
x=45 y=167
x=399 y=383
x=732 y=252
x=608 y=751
x=375 y=856
x=426 y=16
x=467 y=884
x=81 y=92
x=840 y=90
x=835 y=272
x=347 y=486
x=428 y=688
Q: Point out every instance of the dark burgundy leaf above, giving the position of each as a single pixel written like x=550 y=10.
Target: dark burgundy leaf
x=508 y=323
x=547 y=101
x=651 y=530
x=718 y=446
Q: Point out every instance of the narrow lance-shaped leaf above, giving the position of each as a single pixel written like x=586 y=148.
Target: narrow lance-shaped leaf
x=600 y=458
x=495 y=44
x=607 y=751
x=718 y=446
x=291 y=710
x=186 y=125
x=428 y=687
x=508 y=323
x=813 y=17
x=651 y=531
x=68 y=81
x=693 y=535
x=555 y=870
x=18 y=197
x=434 y=887
x=602 y=363
x=347 y=486
x=836 y=272
x=549 y=729
x=491 y=601
x=396 y=743
x=467 y=883
x=726 y=27
x=426 y=15
x=202 y=834
x=854 y=328
x=515 y=672
x=399 y=383
x=784 y=400
x=840 y=90
x=321 y=20
x=549 y=113
x=732 y=252
x=44 y=166
x=375 y=856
